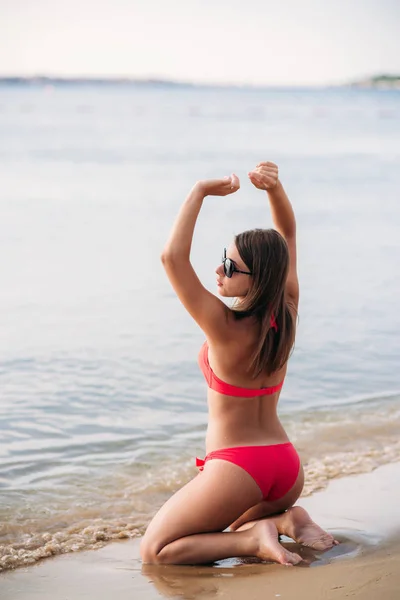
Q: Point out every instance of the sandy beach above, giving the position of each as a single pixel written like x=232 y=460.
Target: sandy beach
x=361 y=510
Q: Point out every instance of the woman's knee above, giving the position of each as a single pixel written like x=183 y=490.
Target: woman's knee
x=149 y=550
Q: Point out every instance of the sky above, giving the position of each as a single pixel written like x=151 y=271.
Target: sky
x=256 y=42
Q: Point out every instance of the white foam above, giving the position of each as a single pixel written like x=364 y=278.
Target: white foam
x=363 y=505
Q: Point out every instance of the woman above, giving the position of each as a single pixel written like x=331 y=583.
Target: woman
x=251 y=469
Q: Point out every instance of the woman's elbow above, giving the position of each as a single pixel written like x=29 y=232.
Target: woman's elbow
x=173 y=258
x=166 y=257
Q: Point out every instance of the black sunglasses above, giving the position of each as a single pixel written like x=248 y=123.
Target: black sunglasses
x=230 y=267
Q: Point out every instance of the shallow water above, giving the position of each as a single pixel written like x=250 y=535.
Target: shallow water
x=102 y=404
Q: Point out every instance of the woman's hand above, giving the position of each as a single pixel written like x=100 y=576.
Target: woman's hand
x=264 y=176
x=218 y=187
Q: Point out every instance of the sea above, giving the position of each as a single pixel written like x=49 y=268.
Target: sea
x=102 y=404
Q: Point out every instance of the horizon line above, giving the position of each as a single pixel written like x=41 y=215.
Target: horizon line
x=182 y=82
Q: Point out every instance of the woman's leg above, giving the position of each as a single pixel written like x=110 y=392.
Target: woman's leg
x=188 y=529
x=292 y=521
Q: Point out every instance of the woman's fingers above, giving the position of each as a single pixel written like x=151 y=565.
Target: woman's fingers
x=255 y=176
x=272 y=171
x=256 y=181
x=235 y=182
x=263 y=179
x=269 y=171
x=220 y=187
x=267 y=164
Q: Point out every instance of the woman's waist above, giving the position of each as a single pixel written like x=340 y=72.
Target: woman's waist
x=220 y=436
x=254 y=423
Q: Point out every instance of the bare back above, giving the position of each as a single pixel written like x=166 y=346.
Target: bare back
x=236 y=421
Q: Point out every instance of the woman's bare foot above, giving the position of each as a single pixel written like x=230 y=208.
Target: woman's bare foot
x=297 y=524
x=269 y=548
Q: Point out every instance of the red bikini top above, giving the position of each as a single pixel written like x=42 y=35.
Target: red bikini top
x=226 y=388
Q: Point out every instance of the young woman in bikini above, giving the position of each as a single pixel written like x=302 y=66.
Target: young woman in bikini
x=252 y=475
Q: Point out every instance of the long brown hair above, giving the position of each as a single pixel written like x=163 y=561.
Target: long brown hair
x=265 y=253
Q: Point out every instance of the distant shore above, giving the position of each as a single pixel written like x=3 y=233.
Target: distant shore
x=43 y=80
x=377 y=82
x=380 y=82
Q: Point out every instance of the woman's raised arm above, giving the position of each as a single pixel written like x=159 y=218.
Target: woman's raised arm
x=265 y=177
x=206 y=309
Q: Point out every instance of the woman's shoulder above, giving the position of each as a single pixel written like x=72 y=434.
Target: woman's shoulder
x=240 y=341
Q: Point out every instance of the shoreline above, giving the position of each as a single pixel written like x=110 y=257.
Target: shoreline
x=361 y=510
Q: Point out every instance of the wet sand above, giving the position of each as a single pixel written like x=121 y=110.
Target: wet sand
x=362 y=512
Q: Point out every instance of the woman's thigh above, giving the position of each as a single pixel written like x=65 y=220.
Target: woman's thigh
x=209 y=503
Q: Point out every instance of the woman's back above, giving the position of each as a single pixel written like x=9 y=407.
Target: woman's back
x=243 y=416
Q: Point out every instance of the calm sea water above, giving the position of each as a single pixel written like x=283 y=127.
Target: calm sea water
x=102 y=405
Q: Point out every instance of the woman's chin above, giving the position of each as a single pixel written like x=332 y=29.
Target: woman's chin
x=220 y=290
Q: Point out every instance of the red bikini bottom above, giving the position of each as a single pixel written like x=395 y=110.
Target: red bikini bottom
x=274 y=468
